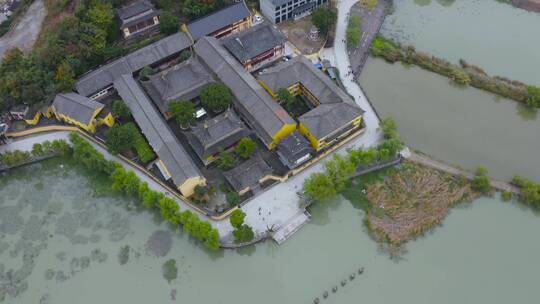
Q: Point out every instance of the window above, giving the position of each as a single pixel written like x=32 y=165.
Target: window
x=277 y=20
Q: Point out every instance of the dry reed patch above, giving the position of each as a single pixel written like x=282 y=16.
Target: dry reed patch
x=412 y=200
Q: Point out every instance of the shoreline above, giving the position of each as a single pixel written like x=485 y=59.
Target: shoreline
x=463 y=73
x=528 y=5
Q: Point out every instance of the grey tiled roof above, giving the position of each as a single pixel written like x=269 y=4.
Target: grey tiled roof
x=102 y=77
x=254 y=41
x=337 y=108
x=216 y=133
x=300 y=69
x=330 y=118
x=294 y=146
x=264 y=114
x=156 y=130
x=184 y=81
x=248 y=173
x=210 y=23
x=76 y=106
x=134 y=8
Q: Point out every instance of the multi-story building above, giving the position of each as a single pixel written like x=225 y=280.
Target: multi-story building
x=256 y=46
x=281 y=10
x=229 y=20
x=137 y=18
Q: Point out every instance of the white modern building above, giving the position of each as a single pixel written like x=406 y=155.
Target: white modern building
x=280 y=10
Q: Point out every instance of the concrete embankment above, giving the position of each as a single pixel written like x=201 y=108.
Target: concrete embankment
x=529 y=5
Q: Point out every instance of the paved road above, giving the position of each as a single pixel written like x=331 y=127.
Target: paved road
x=26 y=31
x=427 y=161
x=371 y=24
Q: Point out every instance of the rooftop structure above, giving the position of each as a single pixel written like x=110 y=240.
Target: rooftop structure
x=294 y=150
x=77 y=109
x=301 y=70
x=270 y=121
x=335 y=115
x=221 y=132
x=281 y=10
x=248 y=174
x=256 y=46
x=221 y=23
x=103 y=77
x=76 y=106
x=173 y=157
x=137 y=17
x=184 y=81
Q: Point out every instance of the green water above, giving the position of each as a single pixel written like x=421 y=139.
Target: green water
x=500 y=38
x=462 y=126
x=482 y=255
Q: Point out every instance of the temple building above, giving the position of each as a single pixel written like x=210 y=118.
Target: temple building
x=137 y=18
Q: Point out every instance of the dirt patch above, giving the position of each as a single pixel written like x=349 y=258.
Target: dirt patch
x=412 y=200
x=25 y=33
x=297 y=33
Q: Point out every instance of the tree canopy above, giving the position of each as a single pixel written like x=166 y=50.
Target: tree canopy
x=121 y=138
x=216 y=97
x=237 y=218
x=121 y=110
x=245 y=147
x=324 y=18
x=183 y=112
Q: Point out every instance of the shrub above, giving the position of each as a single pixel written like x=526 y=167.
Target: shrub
x=506 y=196
x=145 y=73
x=184 y=55
x=144 y=151
x=481 y=184
x=233 y=198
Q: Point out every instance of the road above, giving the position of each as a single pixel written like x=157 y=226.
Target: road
x=371 y=24
x=25 y=33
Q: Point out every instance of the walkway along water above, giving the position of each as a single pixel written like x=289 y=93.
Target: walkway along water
x=372 y=22
x=430 y=162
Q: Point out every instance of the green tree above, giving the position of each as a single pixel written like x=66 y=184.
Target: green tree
x=183 y=112
x=285 y=96
x=226 y=160
x=64 y=77
x=245 y=147
x=121 y=110
x=169 y=210
x=169 y=23
x=37 y=149
x=389 y=128
x=121 y=138
x=243 y=234
x=481 y=171
x=212 y=240
x=533 y=96
x=319 y=187
x=393 y=146
x=324 y=18
x=354 y=31
x=237 y=218
x=216 y=97
x=481 y=184
x=339 y=169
